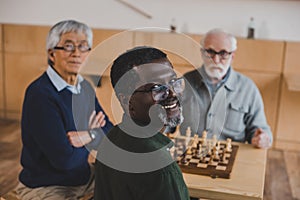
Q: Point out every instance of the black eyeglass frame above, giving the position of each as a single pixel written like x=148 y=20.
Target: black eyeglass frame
x=211 y=53
x=73 y=49
x=165 y=89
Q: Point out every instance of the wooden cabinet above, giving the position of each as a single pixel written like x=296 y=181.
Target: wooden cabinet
x=183 y=50
x=2 y=102
x=289 y=107
x=108 y=44
x=259 y=55
x=25 y=59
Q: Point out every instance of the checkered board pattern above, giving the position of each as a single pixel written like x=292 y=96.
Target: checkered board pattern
x=216 y=168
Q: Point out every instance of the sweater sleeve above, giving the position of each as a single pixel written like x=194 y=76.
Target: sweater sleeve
x=101 y=131
x=108 y=124
x=44 y=122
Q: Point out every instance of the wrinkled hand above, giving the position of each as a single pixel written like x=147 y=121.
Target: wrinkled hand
x=79 y=138
x=97 y=121
x=261 y=139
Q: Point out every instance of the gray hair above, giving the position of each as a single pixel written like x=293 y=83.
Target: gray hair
x=217 y=31
x=67 y=26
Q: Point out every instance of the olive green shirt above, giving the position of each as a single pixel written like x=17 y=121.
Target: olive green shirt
x=116 y=183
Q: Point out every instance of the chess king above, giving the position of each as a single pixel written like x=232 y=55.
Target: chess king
x=149 y=92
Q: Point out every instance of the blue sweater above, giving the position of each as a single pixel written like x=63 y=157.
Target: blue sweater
x=47 y=156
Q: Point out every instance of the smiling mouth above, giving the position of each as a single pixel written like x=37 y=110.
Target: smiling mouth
x=170 y=106
x=173 y=113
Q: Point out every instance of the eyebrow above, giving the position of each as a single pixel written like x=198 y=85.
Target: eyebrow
x=71 y=41
x=217 y=51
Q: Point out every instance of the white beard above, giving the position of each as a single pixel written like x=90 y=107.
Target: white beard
x=216 y=73
x=172 y=122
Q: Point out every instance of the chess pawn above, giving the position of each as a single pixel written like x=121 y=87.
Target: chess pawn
x=215 y=153
x=195 y=141
x=214 y=140
x=223 y=157
x=228 y=145
x=218 y=145
x=188 y=134
x=204 y=137
x=189 y=151
x=199 y=151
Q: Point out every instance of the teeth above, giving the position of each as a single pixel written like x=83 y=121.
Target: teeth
x=170 y=106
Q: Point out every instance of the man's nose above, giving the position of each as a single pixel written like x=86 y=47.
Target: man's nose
x=216 y=58
x=172 y=92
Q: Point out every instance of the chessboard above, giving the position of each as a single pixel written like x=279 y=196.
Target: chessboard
x=205 y=156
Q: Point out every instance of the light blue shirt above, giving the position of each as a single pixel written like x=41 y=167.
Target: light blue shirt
x=60 y=83
x=235 y=111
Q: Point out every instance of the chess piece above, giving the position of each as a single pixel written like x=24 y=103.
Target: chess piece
x=214 y=140
x=188 y=134
x=215 y=154
x=218 y=145
x=189 y=151
x=195 y=141
x=199 y=151
x=223 y=157
x=204 y=137
x=228 y=145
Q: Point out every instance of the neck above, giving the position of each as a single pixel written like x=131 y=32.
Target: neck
x=71 y=79
x=215 y=81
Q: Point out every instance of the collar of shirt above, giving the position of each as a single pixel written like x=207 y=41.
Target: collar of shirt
x=60 y=83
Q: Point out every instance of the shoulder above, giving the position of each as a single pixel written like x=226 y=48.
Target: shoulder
x=40 y=85
x=193 y=78
x=192 y=75
x=242 y=79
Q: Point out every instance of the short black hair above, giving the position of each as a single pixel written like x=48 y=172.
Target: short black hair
x=133 y=57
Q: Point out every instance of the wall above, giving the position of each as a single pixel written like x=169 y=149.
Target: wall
x=275 y=19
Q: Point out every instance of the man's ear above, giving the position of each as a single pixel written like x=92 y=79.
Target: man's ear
x=233 y=55
x=124 y=101
x=51 y=55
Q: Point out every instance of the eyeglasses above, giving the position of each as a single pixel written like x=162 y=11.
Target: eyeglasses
x=212 y=53
x=69 y=47
x=161 y=92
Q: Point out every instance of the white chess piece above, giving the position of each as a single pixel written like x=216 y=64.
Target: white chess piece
x=228 y=145
x=195 y=141
x=188 y=134
x=214 y=140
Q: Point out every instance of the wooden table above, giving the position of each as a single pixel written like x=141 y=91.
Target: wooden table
x=246 y=182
